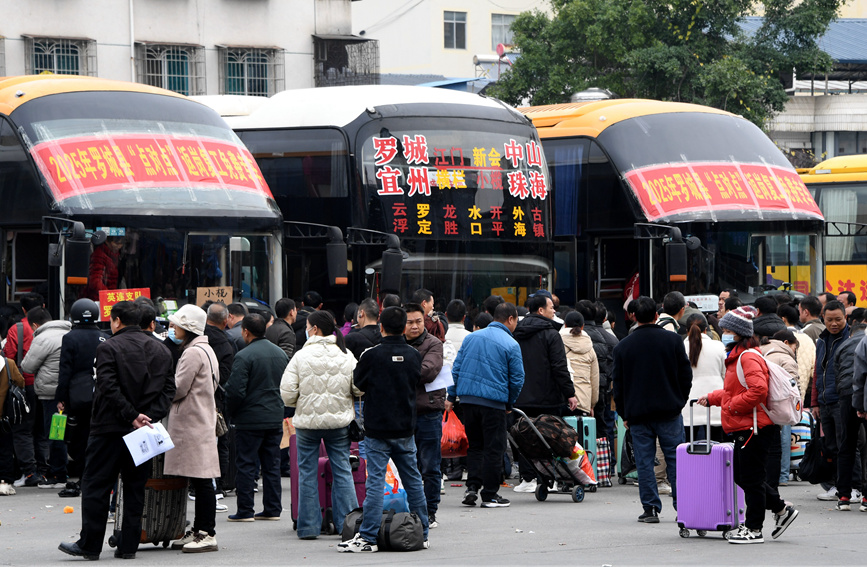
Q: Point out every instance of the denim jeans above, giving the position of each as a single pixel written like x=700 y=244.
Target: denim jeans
x=428 y=442
x=359 y=412
x=644 y=438
x=786 y=446
x=403 y=453
x=343 y=499
x=255 y=446
x=56 y=449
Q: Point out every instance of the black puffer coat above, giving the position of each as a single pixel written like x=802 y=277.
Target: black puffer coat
x=547 y=383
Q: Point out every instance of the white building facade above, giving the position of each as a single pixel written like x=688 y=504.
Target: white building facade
x=195 y=47
x=438 y=37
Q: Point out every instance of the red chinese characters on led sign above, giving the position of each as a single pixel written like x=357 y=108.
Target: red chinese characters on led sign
x=92 y=164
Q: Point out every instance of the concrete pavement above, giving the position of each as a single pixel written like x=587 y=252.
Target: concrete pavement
x=602 y=530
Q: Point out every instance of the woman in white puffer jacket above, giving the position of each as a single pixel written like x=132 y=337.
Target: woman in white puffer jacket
x=318 y=383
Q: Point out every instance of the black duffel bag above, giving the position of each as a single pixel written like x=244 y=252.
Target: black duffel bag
x=817 y=465
x=554 y=429
x=398 y=531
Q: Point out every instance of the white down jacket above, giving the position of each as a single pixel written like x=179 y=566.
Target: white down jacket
x=318 y=383
x=43 y=358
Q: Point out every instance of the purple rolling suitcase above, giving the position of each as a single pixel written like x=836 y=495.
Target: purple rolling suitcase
x=707 y=497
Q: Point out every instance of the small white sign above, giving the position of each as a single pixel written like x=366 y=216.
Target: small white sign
x=706 y=303
x=147 y=442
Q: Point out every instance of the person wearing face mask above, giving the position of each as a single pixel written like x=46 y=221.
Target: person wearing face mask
x=192 y=422
x=754 y=433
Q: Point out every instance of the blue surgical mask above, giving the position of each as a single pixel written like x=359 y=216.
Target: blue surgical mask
x=307 y=333
x=172 y=336
x=727 y=339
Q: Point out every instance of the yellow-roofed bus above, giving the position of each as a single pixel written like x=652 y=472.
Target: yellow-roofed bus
x=169 y=200
x=625 y=173
x=839 y=185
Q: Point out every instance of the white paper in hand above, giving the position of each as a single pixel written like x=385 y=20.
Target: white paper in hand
x=146 y=443
x=443 y=380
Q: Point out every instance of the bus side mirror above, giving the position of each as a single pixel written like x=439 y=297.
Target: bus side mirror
x=335 y=257
x=675 y=261
x=77 y=260
x=392 y=265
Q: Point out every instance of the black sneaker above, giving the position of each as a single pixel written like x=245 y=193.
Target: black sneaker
x=746 y=535
x=784 y=520
x=432 y=521
x=33 y=480
x=470 y=498
x=496 y=502
x=650 y=516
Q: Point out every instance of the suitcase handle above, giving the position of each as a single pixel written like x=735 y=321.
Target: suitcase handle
x=692 y=443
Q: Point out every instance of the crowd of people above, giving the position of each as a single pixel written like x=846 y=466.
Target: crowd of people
x=381 y=362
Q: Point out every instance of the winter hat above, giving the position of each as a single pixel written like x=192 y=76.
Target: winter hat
x=190 y=318
x=739 y=321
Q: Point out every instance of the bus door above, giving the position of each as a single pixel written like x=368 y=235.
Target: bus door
x=616 y=261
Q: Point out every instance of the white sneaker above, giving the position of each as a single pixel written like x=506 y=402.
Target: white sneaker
x=203 y=542
x=663 y=488
x=442 y=486
x=856 y=496
x=553 y=487
x=357 y=545
x=526 y=486
x=6 y=489
x=110 y=519
x=829 y=496
x=20 y=482
x=222 y=508
x=188 y=537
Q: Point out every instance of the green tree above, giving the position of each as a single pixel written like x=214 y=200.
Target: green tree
x=678 y=50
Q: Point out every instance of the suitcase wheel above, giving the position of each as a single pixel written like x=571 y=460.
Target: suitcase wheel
x=701 y=533
x=727 y=534
x=541 y=492
x=578 y=494
x=684 y=532
x=112 y=541
x=621 y=480
x=592 y=488
x=295 y=525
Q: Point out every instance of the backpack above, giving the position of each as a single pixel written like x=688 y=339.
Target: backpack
x=784 y=399
x=15 y=408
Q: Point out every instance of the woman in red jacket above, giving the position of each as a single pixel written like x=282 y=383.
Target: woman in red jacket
x=753 y=431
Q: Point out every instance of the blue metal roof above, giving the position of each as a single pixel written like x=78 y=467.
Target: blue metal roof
x=845 y=41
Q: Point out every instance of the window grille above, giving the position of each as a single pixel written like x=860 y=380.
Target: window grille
x=179 y=68
x=345 y=60
x=251 y=70
x=61 y=56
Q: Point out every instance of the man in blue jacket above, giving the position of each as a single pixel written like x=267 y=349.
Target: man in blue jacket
x=488 y=374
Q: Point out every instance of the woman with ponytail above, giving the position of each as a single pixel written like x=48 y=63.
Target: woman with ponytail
x=318 y=383
x=707 y=358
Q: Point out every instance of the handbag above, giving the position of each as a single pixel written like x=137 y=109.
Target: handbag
x=398 y=531
x=222 y=427
x=356 y=426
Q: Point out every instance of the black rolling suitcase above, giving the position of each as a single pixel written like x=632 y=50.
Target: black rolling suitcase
x=231 y=471
x=165 y=508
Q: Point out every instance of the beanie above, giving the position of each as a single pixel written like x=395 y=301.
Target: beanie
x=739 y=321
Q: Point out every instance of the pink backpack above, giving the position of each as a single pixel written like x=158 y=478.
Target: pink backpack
x=784 y=399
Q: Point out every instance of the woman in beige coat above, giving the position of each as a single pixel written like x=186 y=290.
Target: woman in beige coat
x=192 y=425
x=583 y=364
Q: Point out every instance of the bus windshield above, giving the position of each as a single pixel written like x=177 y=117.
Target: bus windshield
x=137 y=153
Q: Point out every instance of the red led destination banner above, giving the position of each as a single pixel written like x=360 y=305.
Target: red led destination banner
x=675 y=190
x=91 y=164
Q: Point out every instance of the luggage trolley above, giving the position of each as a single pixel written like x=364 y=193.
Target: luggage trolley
x=549 y=469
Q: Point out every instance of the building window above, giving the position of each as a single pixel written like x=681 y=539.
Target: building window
x=2 y=56
x=501 y=29
x=345 y=60
x=850 y=143
x=251 y=70
x=455 y=30
x=61 y=56
x=179 y=68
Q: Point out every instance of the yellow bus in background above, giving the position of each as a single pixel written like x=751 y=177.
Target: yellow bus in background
x=839 y=186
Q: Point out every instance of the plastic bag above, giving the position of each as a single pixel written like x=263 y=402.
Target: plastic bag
x=392 y=479
x=454 y=441
x=580 y=466
x=58 y=427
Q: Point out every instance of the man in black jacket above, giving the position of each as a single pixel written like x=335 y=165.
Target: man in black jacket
x=134 y=387
x=547 y=382
x=281 y=332
x=223 y=348
x=311 y=302
x=388 y=374
x=77 y=353
x=366 y=334
x=652 y=378
x=429 y=406
x=768 y=323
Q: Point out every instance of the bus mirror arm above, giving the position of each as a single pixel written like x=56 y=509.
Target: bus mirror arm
x=675 y=247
